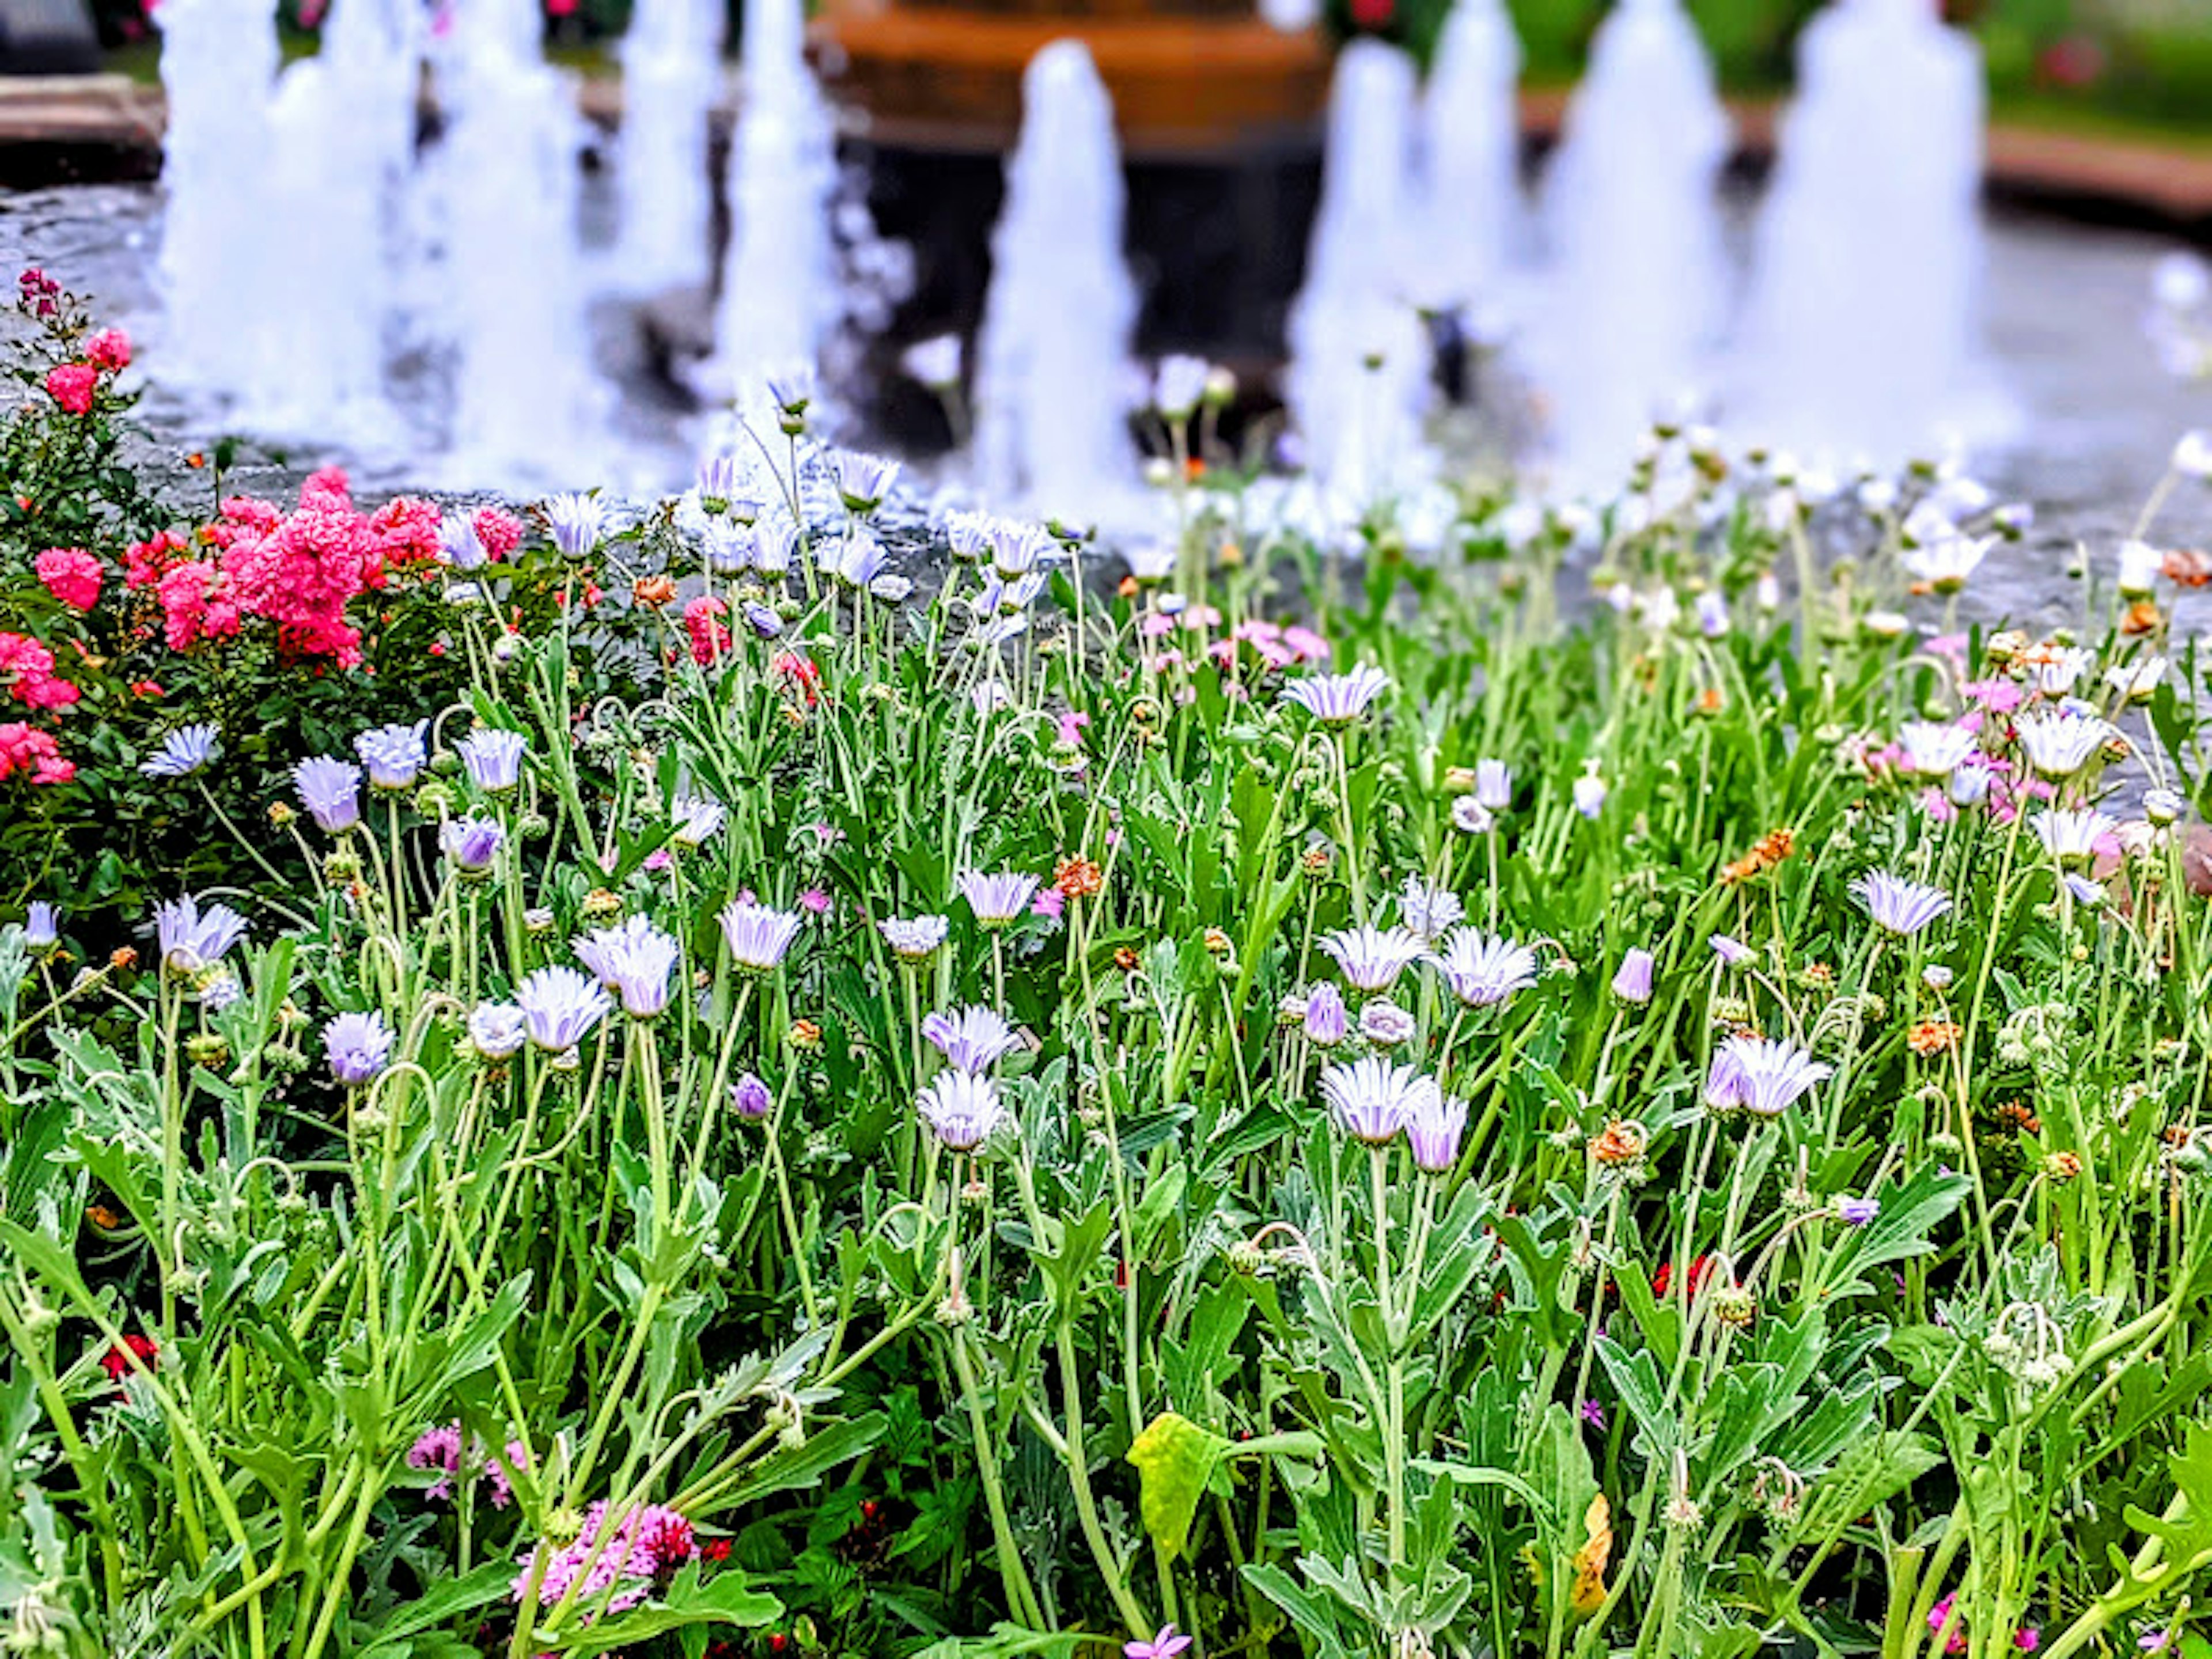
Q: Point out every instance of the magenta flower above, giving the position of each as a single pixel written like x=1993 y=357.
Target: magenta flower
x=1165 y=1645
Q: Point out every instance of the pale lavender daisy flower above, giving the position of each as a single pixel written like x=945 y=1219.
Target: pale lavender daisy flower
x=471 y=843
x=1482 y=969
x=972 y=1038
x=2071 y=835
x=634 y=960
x=1732 y=952
x=962 y=1110
x=1470 y=817
x=999 y=898
x=1434 y=1125
x=1385 y=1025
x=1897 y=906
x=758 y=936
x=393 y=754
x=494 y=759
x=2057 y=745
x=1761 y=1075
x=1856 y=1211
x=1326 y=1022
x=720 y=478
x=1178 y=385
x=559 y=1005
x=791 y=389
x=331 y=790
x=359 y=1046
x=193 y=940
x=459 y=544
x=575 y=522
x=917 y=939
x=1633 y=982
x=1371 y=958
x=1337 y=698
x=1935 y=749
x=857 y=560
x=497 y=1030
x=776 y=543
x=1427 y=910
x=751 y=1098
x=1590 y=791
x=1370 y=1098
x=1017 y=549
x=1493 y=784
x=187 y=750
x=864 y=480
x=41 y=926
x=729 y=546
x=697 y=819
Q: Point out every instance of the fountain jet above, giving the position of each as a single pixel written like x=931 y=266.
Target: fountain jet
x=1470 y=175
x=671 y=71
x=1052 y=357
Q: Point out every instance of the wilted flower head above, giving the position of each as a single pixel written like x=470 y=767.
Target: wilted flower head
x=331 y=790
x=1371 y=958
x=575 y=522
x=998 y=899
x=1898 y=906
x=1370 y=1098
x=1935 y=749
x=634 y=960
x=559 y=1005
x=1385 y=1025
x=961 y=1109
x=758 y=936
x=751 y=1098
x=1470 y=817
x=1856 y=1211
x=471 y=842
x=1482 y=969
x=497 y=1030
x=184 y=751
x=971 y=1038
x=193 y=940
x=1428 y=911
x=916 y=940
x=864 y=480
x=1337 y=698
x=1732 y=952
x=1434 y=1124
x=494 y=759
x=393 y=754
x=1761 y=1075
x=359 y=1046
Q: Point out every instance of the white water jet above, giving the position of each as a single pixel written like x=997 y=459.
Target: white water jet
x=526 y=405
x=1053 y=355
x=1470 y=161
x=1640 y=285
x=1861 y=339
x=1357 y=379
x=218 y=65
x=341 y=135
x=779 y=297
x=671 y=64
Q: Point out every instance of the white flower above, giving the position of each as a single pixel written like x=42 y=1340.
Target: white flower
x=634 y=962
x=2181 y=281
x=1179 y=385
x=864 y=480
x=393 y=754
x=2061 y=670
x=2057 y=745
x=1935 y=749
x=1149 y=561
x=963 y=1110
x=1428 y=911
x=559 y=1005
x=1371 y=1099
x=698 y=819
x=184 y=751
x=1948 y=559
x=1590 y=791
x=1385 y=1025
x=575 y=522
x=2140 y=565
x=2136 y=681
x=758 y=937
x=1337 y=698
x=1493 y=784
x=497 y=1030
x=934 y=362
x=2071 y=836
x=2192 y=456
x=1712 y=614
x=1898 y=906
x=1371 y=958
x=1471 y=816
x=1482 y=969
x=998 y=899
x=918 y=940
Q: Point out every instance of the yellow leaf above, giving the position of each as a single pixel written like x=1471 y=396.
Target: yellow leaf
x=1589 y=1564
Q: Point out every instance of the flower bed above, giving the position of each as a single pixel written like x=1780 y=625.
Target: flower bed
x=586 y=1083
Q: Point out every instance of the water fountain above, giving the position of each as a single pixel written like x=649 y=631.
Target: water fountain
x=779 y=282
x=341 y=147
x=1861 y=334
x=1470 y=157
x=1640 y=285
x=526 y=405
x=1052 y=358
x=671 y=72
x=1360 y=356
x=218 y=64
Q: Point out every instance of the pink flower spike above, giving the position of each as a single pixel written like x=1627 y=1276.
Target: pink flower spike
x=815 y=902
x=1166 y=1645
x=1048 y=903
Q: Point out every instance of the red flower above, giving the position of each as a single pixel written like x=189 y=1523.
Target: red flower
x=799 y=673
x=117 y=1364
x=715 y=1549
x=702 y=621
x=1699 y=1268
x=498 y=531
x=72 y=384
x=1372 y=15
x=110 y=350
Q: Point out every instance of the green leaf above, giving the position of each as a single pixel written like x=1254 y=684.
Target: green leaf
x=1174 y=1458
x=727 y=1599
x=804 y=1465
x=1314 y=1621
x=443 y=1603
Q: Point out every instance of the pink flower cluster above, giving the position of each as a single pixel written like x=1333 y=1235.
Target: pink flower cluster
x=71 y=575
x=298 y=570
x=615 y=1562
x=75 y=385
x=27 y=750
x=440 y=1449
x=702 y=621
x=27 y=670
x=39 y=293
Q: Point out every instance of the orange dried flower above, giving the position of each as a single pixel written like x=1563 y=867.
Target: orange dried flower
x=1710 y=700
x=1934 y=1036
x=123 y=959
x=1077 y=877
x=2062 y=1167
x=654 y=591
x=1766 y=853
x=2187 y=567
x=2016 y=1115
x=2142 y=617
x=1621 y=1141
x=804 y=1034
x=1218 y=943
x=1125 y=958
